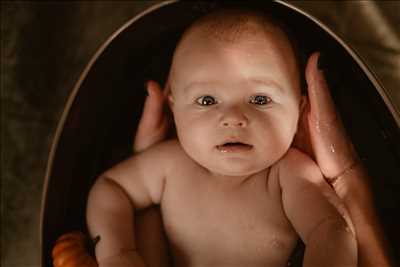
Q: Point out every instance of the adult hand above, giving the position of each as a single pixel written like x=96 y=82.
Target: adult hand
x=321 y=133
x=154 y=123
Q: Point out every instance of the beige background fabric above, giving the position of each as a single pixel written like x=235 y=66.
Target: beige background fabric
x=372 y=29
x=46 y=45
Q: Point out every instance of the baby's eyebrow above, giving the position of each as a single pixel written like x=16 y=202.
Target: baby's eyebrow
x=194 y=84
x=266 y=82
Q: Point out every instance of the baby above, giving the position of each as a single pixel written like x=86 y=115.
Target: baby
x=231 y=189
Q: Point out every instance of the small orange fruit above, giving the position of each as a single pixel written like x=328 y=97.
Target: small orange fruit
x=71 y=250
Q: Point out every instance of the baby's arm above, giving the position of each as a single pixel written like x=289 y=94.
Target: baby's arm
x=328 y=239
x=134 y=184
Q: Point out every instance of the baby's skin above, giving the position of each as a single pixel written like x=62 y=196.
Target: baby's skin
x=231 y=189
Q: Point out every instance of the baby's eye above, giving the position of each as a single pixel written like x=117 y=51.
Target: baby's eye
x=206 y=100
x=259 y=100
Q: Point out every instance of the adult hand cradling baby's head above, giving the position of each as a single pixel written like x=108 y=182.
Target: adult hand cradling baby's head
x=321 y=133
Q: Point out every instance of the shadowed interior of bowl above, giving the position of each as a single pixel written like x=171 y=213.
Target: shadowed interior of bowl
x=103 y=117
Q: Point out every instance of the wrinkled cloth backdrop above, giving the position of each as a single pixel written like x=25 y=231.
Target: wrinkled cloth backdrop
x=46 y=45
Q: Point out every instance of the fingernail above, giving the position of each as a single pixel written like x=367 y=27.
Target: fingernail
x=321 y=61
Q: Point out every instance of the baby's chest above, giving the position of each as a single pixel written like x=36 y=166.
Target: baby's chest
x=241 y=222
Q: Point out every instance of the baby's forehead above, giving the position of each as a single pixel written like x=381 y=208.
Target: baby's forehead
x=225 y=29
x=235 y=25
x=233 y=28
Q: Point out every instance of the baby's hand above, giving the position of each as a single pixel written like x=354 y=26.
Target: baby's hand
x=321 y=131
x=154 y=123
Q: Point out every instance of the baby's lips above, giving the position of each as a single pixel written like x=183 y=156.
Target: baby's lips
x=234 y=147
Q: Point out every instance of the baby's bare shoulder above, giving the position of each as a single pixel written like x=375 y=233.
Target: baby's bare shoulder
x=295 y=163
x=167 y=154
x=158 y=157
x=166 y=150
x=143 y=175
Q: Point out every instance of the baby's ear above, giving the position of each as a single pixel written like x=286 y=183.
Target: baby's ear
x=170 y=99
x=168 y=94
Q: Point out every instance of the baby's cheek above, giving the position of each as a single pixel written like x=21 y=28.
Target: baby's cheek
x=276 y=137
x=191 y=134
x=196 y=143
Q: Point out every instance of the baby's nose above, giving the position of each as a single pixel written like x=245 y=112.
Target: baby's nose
x=234 y=117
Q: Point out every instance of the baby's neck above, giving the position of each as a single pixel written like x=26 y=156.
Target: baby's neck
x=233 y=180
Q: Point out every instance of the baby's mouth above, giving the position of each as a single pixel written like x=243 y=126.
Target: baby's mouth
x=234 y=147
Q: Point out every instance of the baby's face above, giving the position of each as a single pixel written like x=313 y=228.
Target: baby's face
x=235 y=104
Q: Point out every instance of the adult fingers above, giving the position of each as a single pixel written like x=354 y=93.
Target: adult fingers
x=153 y=110
x=321 y=103
x=332 y=148
x=153 y=123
